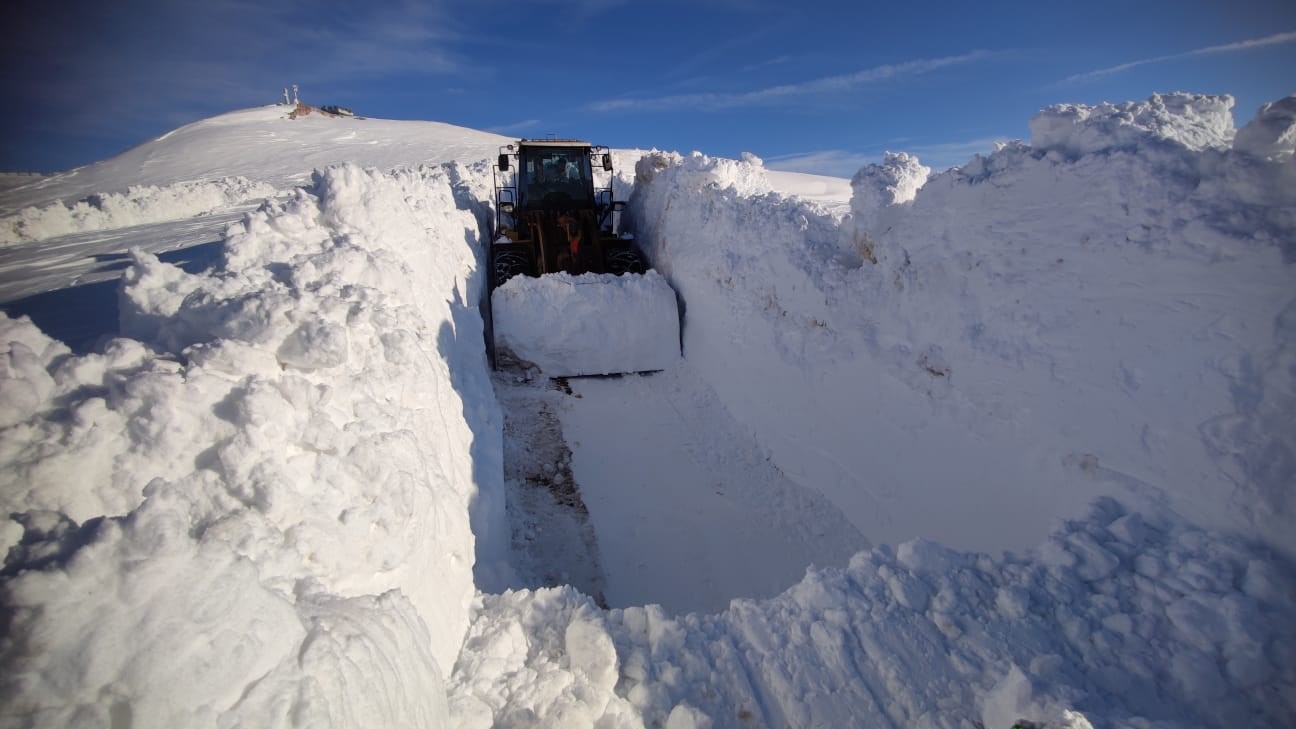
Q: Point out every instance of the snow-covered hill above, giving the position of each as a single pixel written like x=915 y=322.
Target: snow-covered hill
x=273 y=484
x=263 y=144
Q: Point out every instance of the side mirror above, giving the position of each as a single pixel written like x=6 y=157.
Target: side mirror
x=503 y=162
x=607 y=162
x=506 y=207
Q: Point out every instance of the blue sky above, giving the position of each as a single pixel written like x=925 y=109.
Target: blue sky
x=813 y=86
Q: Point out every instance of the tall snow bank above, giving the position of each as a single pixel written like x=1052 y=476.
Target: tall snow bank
x=261 y=509
x=1115 y=620
x=1030 y=333
x=876 y=189
x=139 y=205
x=1191 y=121
x=1037 y=330
x=1272 y=133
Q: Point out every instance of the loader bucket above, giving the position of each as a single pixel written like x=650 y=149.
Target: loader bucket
x=591 y=324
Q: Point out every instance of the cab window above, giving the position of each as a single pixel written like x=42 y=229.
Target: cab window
x=557 y=174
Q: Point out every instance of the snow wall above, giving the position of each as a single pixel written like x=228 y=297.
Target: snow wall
x=139 y=205
x=265 y=507
x=1017 y=310
x=268 y=507
x=1109 y=311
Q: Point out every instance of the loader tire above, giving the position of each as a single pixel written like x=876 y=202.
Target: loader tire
x=505 y=264
x=624 y=260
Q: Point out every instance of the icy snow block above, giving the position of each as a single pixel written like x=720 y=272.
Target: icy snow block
x=1190 y=121
x=592 y=324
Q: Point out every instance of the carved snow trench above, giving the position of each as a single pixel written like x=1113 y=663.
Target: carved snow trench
x=643 y=489
x=552 y=537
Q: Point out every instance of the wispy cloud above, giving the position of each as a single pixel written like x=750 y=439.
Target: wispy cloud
x=1245 y=45
x=581 y=9
x=711 y=55
x=765 y=64
x=845 y=163
x=516 y=127
x=833 y=162
x=714 y=101
x=122 y=71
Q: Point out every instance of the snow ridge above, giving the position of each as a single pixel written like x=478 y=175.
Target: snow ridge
x=921 y=635
x=1002 y=266
x=139 y=205
x=278 y=462
x=1190 y=121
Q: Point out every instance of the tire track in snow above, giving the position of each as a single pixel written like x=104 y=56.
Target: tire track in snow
x=551 y=535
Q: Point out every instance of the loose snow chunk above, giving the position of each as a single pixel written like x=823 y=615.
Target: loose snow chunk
x=746 y=177
x=1193 y=121
x=26 y=356
x=876 y=187
x=924 y=556
x=592 y=324
x=1272 y=133
x=313 y=345
x=684 y=716
x=896 y=180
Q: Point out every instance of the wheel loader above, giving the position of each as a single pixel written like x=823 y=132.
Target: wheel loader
x=569 y=293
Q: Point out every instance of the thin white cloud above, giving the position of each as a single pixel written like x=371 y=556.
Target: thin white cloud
x=776 y=94
x=765 y=64
x=516 y=127
x=833 y=162
x=1245 y=45
x=711 y=56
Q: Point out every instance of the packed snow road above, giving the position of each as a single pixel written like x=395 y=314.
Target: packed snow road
x=687 y=510
x=690 y=510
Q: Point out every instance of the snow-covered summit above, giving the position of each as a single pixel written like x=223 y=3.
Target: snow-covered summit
x=261 y=143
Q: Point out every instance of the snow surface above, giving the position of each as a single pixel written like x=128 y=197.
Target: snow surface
x=1036 y=332
x=286 y=494
x=1126 y=622
x=747 y=531
x=139 y=205
x=183 y=176
x=261 y=487
x=1272 y=134
x=1193 y=121
x=263 y=144
x=591 y=324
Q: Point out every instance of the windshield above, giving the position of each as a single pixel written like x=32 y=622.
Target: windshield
x=557 y=176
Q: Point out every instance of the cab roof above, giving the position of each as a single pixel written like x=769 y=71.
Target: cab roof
x=553 y=143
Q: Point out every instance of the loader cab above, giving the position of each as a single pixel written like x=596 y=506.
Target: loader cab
x=552 y=176
x=555 y=211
